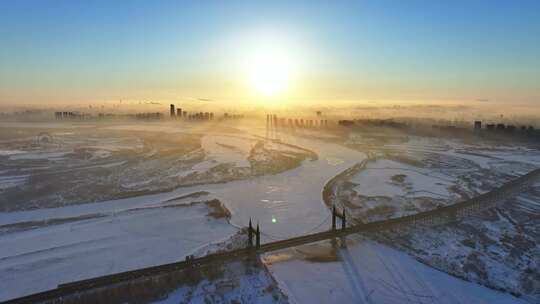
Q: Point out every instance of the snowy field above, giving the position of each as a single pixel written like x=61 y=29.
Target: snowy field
x=240 y=283
x=496 y=249
x=292 y=198
x=80 y=165
x=94 y=238
x=377 y=180
x=38 y=255
x=368 y=272
x=425 y=173
x=228 y=149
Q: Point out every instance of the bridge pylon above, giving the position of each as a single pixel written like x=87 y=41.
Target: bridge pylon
x=341 y=216
x=258 y=238
x=343 y=220
x=333 y=217
x=254 y=233
x=250 y=234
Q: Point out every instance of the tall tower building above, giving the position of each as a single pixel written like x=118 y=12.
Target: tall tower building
x=172 y=110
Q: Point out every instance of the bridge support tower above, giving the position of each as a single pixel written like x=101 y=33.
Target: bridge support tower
x=342 y=216
x=254 y=233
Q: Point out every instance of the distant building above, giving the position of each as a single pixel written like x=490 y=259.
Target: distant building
x=477 y=125
x=148 y=116
x=172 y=110
x=346 y=123
x=179 y=112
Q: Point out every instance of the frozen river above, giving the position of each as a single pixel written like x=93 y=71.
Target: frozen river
x=127 y=237
x=285 y=205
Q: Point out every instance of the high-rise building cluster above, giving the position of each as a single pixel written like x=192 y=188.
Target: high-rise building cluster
x=179 y=113
x=501 y=127
x=71 y=115
x=275 y=121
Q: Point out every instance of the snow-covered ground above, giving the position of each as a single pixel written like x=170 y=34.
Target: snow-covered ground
x=426 y=173
x=376 y=180
x=36 y=256
x=368 y=272
x=495 y=248
x=293 y=197
x=498 y=248
x=241 y=283
x=90 y=165
x=49 y=246
x=483 y=154
x=122 y=241
x=227 y=149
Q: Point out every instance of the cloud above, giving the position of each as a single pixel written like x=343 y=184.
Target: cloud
x=200 y=99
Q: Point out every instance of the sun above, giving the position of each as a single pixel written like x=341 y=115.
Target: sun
x=269 y=71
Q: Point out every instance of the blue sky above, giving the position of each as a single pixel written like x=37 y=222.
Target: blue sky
x=354 y=50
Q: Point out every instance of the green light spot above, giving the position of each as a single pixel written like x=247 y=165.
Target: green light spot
x=274 y=220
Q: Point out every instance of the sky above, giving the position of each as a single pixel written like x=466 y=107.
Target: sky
x=255 y=52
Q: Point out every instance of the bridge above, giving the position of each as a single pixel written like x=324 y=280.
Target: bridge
x=437 y=216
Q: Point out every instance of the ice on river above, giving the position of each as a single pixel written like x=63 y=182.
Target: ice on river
x=38 y=259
